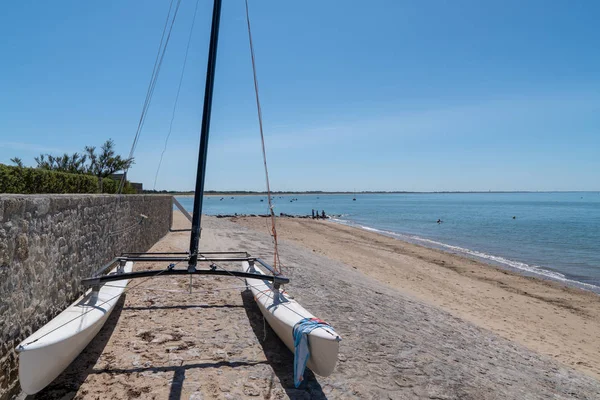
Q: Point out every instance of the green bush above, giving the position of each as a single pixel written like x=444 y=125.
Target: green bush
x=33 y=180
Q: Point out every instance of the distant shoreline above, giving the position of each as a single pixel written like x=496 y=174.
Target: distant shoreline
x=249 y=193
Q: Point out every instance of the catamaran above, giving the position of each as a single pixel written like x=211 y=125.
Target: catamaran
x=48 y=351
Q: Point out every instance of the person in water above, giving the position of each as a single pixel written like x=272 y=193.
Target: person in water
x=439 y=221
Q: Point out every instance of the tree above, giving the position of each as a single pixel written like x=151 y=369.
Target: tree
x=101 y=164
x=105 y=163
x=74 y=164
x=17 y=161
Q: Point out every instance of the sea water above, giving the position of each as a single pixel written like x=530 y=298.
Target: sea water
x=554 y=235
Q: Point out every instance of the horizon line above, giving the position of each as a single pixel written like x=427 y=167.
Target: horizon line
x=366 y=191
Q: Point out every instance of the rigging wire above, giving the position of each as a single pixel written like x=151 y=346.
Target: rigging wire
x=187 y=49
x=164 y=43
x=149 y=94
x=276 y=261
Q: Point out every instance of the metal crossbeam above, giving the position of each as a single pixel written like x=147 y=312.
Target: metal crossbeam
x=206 y=257
x=145 y=253
x=168 y=272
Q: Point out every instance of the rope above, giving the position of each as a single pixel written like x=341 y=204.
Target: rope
x=276 y=266
x=153 y=79
x=187 y=49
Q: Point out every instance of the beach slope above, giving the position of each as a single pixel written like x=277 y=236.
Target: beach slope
x=163 y=342
x=558 y=321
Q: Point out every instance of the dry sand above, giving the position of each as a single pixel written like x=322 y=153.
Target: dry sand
x=169 y=344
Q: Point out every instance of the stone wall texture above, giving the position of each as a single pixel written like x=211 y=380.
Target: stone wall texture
x=48 y=243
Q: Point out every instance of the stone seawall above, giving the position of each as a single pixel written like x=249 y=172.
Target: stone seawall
x=48 y=243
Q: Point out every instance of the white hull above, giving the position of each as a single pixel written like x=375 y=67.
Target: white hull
x=61 y=340
x=283 y=313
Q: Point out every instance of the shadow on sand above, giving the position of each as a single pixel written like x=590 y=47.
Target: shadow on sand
x=279 y=356
x=66 y=385
x=178 y=372
x=183 y=307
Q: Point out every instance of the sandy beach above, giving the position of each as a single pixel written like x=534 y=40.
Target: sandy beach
x=416 y=324
x=553 y=319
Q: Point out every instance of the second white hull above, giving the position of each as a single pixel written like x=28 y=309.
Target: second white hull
x=283 y=313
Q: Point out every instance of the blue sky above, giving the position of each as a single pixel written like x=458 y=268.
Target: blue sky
x=379 y=95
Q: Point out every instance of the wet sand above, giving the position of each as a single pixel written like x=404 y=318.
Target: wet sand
x=164 y=343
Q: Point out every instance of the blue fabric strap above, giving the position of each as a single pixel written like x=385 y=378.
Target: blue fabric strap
x=302 y=351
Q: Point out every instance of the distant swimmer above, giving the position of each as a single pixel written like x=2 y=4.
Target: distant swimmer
x=514 y=217
x=439 y=221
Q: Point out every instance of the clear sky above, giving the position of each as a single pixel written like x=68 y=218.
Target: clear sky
x=365 y=95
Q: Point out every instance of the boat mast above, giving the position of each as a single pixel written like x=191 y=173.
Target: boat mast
x=201 y=172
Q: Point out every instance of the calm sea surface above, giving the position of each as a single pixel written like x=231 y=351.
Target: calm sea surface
x=556 y=235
